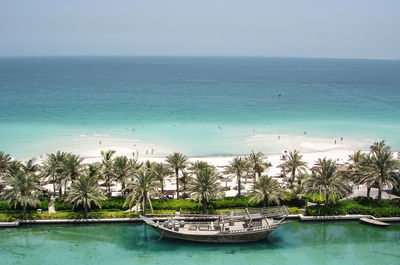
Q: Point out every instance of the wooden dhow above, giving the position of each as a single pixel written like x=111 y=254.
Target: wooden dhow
x=238 y=227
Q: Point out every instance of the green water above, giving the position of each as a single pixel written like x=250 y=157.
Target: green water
x=63 y=103
x=293 y=243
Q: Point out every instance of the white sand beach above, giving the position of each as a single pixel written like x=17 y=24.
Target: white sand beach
x=310 y=148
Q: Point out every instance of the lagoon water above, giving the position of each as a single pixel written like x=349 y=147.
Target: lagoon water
x=293 y=243
x=179 y=102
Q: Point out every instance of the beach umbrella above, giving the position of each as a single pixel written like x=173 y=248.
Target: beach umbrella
x=343 y=168
x=241 y=187
x=226 y=180
x=51 y=181
x=105 y=185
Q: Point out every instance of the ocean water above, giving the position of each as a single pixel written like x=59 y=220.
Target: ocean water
x=180 y=103
x=293 y=243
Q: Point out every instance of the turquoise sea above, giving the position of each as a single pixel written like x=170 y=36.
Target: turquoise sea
x=293 y=243
x=180 y=102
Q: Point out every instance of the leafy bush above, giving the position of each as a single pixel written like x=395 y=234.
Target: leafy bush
x=185 y=205
x=114 y=203
x=294 y=210
x=4 y=206
x=362 y=205
x=7 y=218
x=234 y=202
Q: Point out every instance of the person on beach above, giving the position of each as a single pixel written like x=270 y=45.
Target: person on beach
x=335 y=141
x=341 y=139
x=99 y=142
x=279 y=137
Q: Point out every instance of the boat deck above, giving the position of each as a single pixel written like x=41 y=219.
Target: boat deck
x=213 y=228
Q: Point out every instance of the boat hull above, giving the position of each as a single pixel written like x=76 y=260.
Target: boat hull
x=249 y=236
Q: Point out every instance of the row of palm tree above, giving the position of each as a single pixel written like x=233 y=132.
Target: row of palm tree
x=141 y=182
x=378 y=168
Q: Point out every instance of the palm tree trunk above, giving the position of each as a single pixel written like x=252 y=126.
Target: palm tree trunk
x=326 y=198
x=368 y=191
x=204 y=204
x=86 y=209
x=24 y=216
x=293 y=178
x=239 y=188
x=108 y=187
x=265 y=202
x=60 y=190
x=144 y=204
x=122 y=188
x=54 y=186
x=177 y=183
x=65 y=188
x=379 y=195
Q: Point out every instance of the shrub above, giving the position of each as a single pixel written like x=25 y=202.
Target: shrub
x=294 y=210
x=185 y=205
x=4 y=206
x=363 y=206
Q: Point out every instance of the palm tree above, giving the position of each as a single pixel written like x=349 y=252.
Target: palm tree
x=86 y=191
x=107 y=172
x=199 y=165
x=380 y=168
x=71 y=169
x=326 y=180
x=14 y=167
x=5 y=160
x=294 y=165
x=161 y=171
x=142 y=189
x=204 y=187
x=23 y=189
x=267 y=190
x=122 y=170
x=177 y=161
x=135 y=165
x=30 y=166
x=238 y=166
x=53 y=168
x=258 y=163
x=358 y=162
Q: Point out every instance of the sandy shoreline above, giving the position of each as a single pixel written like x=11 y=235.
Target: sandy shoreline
x=90 y=150
x=341 y=156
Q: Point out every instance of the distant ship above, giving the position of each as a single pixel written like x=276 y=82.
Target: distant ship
x=237 y=227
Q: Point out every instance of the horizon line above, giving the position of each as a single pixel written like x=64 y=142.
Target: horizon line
x=205 y=56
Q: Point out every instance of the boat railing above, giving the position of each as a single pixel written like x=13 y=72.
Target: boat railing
x=258 y=228
x=271 y=212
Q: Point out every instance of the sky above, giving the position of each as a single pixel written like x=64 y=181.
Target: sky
x=281 y=28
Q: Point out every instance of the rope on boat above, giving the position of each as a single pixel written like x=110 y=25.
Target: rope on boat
x=161 y=235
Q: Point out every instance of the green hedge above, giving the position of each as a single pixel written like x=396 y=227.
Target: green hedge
x=110 y=203
x=362 y=205
x=184 y=205
x=177 y=205
x=5 y=206
x=12 y=217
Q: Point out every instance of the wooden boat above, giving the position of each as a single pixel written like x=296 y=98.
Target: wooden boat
x=237 y=227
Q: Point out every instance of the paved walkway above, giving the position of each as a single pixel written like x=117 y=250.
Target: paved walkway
x=362 y=191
